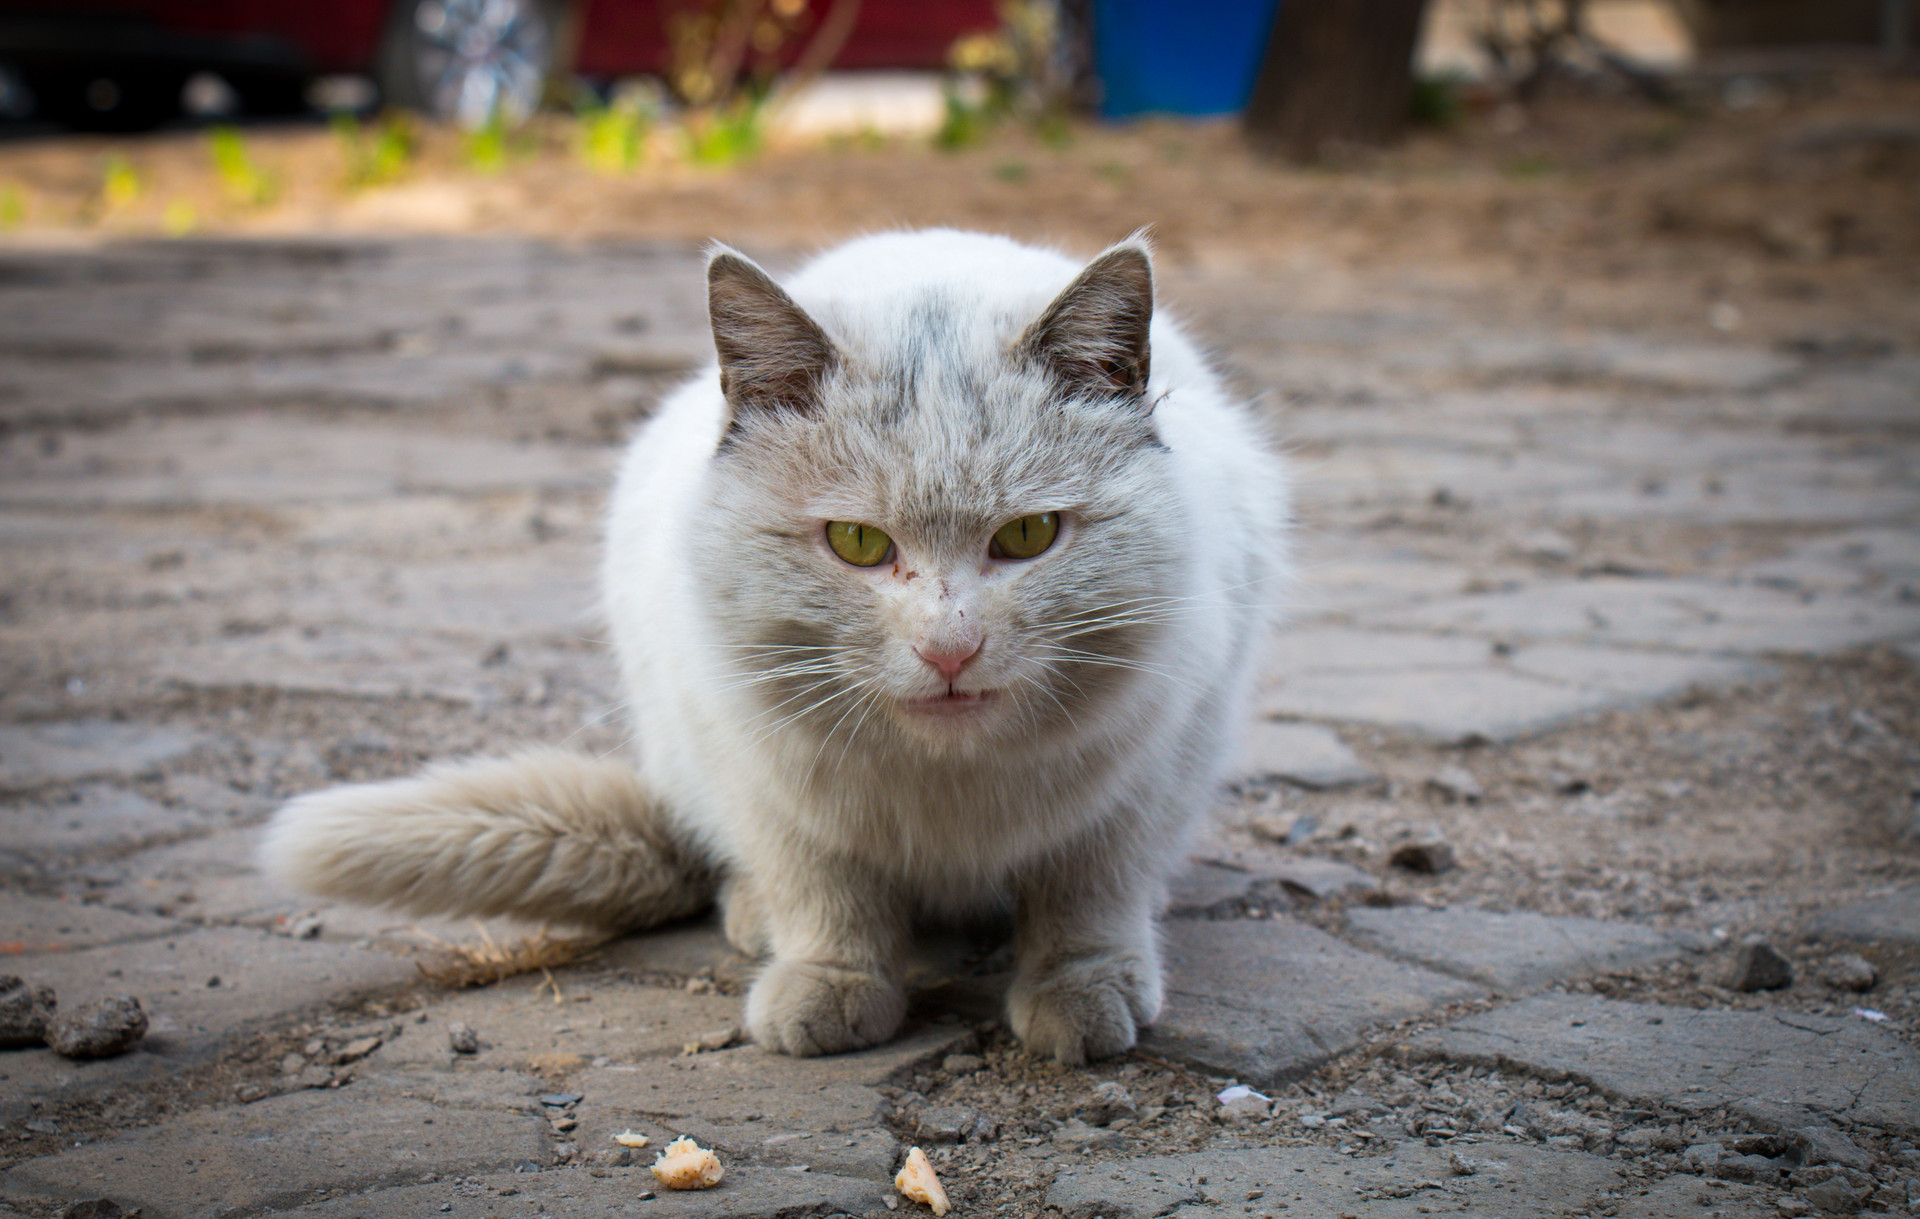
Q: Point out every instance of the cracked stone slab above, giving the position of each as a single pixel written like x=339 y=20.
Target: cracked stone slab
x=747 y=1192
x=1306 y=755
x=34 y=755
x=1455 y=688
x=1509 y=952
x=517 y=1020
x=1892 y=918
x=93 y=816
x=260 y=977
x=45 y=925
x=1509 y=1180
x=768 y=1108
x=1269 y=1000
x=278 y=1153
x=1689 y=614
x=1775 y=1067
x=262 y=458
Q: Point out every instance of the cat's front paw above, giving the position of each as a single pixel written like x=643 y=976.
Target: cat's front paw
x=1085 y=1009
x=797 y=1007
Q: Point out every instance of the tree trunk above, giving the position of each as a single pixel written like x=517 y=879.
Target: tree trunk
x=1336 y=71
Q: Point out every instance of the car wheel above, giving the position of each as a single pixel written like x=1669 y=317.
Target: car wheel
x=467 y=60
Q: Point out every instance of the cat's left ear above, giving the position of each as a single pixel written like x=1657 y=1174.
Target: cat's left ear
x=1093 y=337
x=772 y=355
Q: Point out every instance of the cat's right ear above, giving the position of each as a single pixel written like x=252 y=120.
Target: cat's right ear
x=772 y=355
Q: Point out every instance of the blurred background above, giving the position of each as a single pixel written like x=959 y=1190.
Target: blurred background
x=1597 y=135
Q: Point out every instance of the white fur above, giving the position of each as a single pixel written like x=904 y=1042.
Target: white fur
x=1065 y=799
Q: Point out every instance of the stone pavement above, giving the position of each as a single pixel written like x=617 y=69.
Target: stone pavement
x=284 y=514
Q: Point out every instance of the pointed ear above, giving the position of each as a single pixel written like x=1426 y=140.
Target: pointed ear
x=772 y=355
x=1093 y=337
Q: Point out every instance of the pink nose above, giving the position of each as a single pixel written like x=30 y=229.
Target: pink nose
x=951 y=658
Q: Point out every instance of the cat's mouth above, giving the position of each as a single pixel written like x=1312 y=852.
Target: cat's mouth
x=953 y=702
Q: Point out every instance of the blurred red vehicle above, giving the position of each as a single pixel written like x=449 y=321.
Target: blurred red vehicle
x=122 y=63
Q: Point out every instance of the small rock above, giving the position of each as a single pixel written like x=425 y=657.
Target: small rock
x=1547 y=544
x=1076 y=1135
x=1749 y=1168
x=1825 y=1145
x=1109 y=1103
x=1757 y=966
x=1355 y=1103
x=560 y=1100
x=41 y=1125
x=944 y=1123
x=1460 y=1165
x=962 y=1064
x=356 y=1049
x=716 y=1039
x=1849 y=971
x=1430 y=858
x=1836 y=1196
x=1456 y=783
x=26 y=1012
x=1702 y=1157
x=306 y=927
x=461 y=1038
x=101 y=1029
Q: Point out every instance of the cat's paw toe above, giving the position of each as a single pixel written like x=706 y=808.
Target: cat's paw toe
x=801 y=1008
x=1084 y=1010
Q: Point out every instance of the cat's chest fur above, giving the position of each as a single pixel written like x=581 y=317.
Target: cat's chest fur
x=781 y=695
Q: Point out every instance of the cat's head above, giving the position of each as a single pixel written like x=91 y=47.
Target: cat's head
x=934 y=522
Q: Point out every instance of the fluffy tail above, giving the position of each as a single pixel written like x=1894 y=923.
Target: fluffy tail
x=545 y=835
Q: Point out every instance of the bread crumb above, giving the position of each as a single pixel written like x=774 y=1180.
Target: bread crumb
x=685 y=1164
x=627 y=1138
x=916 y=1181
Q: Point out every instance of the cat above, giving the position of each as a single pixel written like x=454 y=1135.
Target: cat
x=940 y=594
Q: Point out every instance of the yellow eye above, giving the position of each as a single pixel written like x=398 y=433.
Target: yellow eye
x=1026 y=537
x=860 y=545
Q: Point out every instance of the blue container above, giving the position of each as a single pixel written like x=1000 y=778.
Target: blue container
x=1168 y=57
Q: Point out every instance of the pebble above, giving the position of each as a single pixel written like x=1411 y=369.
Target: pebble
x=25 y=1013
x=1109 y=1102
x=1757 y=966
x=560 y=1100
x=462 y=1039
x=1457 y=783
x=101 y=1029
x=1849 y=971
x=1430 y=858
x=962 y=1064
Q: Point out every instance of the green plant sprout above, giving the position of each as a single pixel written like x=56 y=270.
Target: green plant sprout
x=725 y=136
x=610 y=136
x=489 y=147
x=245 y=182
x=120 y=183
x=381 y=155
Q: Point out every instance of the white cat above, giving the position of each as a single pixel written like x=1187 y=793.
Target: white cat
x=936 y=597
